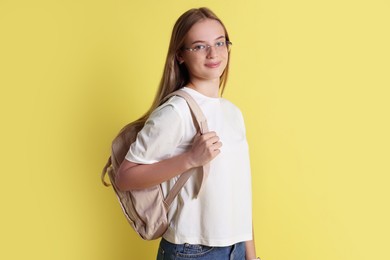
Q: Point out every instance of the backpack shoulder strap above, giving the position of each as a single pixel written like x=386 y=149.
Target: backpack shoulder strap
x=201 y=123
x=104 y=171
x=200 y=119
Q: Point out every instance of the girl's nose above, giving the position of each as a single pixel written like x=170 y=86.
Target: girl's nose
x=211 y=52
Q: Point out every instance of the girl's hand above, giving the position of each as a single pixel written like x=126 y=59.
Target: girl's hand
x=204 y=149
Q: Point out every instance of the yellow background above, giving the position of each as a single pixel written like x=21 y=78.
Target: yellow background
x=311 y=77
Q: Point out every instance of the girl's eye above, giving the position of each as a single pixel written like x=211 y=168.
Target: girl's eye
x=220 y=44
x=199 y=47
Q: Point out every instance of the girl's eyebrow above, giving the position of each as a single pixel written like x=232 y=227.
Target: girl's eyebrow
x=218 y=38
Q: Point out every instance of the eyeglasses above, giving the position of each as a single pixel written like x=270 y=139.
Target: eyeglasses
x=204 y=48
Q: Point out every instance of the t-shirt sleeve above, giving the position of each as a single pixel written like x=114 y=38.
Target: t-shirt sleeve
x=158 y=139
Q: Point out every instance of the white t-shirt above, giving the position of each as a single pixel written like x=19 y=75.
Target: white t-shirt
x=222 y=214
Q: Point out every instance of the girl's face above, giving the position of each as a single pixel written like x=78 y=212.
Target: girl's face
x=205 y=52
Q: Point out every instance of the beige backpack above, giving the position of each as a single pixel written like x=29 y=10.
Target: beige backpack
x=146 y=209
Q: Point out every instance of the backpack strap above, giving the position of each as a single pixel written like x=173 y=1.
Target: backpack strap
x=200 y=122
x=104 y=172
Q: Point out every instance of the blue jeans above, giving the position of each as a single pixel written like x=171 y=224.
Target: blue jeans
x=169 y=251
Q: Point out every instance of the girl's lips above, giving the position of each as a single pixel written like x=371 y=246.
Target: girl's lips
x=213 y=64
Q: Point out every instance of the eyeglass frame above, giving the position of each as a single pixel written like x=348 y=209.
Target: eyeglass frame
x=227 y=44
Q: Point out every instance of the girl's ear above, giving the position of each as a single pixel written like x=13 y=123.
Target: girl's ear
x=179 y=57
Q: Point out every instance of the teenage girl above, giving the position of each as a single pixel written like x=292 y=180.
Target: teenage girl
x=217 y=224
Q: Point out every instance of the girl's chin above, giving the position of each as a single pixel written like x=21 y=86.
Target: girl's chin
x=210 y=76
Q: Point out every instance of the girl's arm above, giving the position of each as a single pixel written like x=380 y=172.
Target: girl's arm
x=250 y=250
x=139 y=176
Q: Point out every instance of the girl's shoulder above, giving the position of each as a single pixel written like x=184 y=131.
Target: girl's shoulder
x=230 y=106
x=175 y=105
x=178 y=103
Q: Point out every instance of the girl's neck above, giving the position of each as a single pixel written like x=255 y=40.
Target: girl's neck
x=207 y=88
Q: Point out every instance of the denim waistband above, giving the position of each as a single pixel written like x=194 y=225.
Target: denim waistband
x=168 y=250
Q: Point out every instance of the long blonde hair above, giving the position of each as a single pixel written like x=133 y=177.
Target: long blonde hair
x=175 y=75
